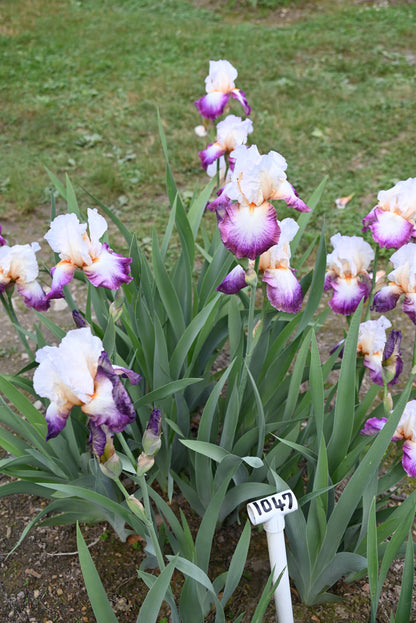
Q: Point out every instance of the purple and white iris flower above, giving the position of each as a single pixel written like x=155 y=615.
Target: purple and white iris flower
x=231 y=133
x=18 y=265
x=392 y=220
x=381 y=353
x=220 y=86
x=406 y=430
x=283 y=289
x=102 y=267
x=248 y=225
x=402 y=280
x=347 y=273
x=78 y=373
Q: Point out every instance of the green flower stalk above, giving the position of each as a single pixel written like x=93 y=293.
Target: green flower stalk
x=151 y=442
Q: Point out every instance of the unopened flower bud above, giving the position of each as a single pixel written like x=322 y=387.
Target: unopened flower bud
x=388 y=403
x=116 y=307
x=79 y=319
x=137 y=507
x=144 y=463
x=151 y=437
x=111 y=467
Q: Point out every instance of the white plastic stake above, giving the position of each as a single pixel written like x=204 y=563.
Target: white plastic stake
x=271 y=511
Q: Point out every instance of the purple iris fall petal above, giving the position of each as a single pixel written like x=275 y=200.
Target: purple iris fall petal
x=348 y=293
x=97 y=439
x=373 y=426
x=249 y=231
x=386 y=299
x=409 y=306
x=283 y=289
x=234 y=281
x=122 y=412
x=212 y=104
x=389 y=230
x=240 y=96
x=210 y=154
x=409 y=458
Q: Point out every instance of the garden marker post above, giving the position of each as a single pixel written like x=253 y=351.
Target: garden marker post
x=271 y=512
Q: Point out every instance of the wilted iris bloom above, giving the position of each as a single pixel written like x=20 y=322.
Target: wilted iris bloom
x=381 y=354
x=231 y=133
x=392 y=220
x=219 y=85
x=102 y=267
x=18 y=265
x=283 y=289
x=248 y=225
x=406 y=430
x=347 y=273
x=101 y=439
x=78 y=372
x=402 y=280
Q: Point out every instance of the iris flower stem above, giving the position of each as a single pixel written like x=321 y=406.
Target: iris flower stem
x=151 y=528
x=250 y=329
x=373 y=284
x=148 y=512
x=8 y=306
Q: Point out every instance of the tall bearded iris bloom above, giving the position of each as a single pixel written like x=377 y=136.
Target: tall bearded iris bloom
x=381 y=354
x=102 y=267
x=406 y=430
x=392 y=220
x=402 y=280
x=347 y=273
x=219 y=85
x=249 y=225
x=78 y=373
x=231 y=132
x=283 y=289
x=18 y=265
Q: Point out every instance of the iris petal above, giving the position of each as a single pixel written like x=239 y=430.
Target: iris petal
x=212 y=104
x=249 y=232
x=283 y=289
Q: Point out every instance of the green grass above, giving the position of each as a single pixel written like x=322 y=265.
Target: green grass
x=332 y=89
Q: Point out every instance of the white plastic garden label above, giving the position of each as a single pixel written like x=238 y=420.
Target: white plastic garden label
x=271 y=512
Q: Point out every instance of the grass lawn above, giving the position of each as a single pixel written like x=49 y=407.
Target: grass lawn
x=331 y=86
